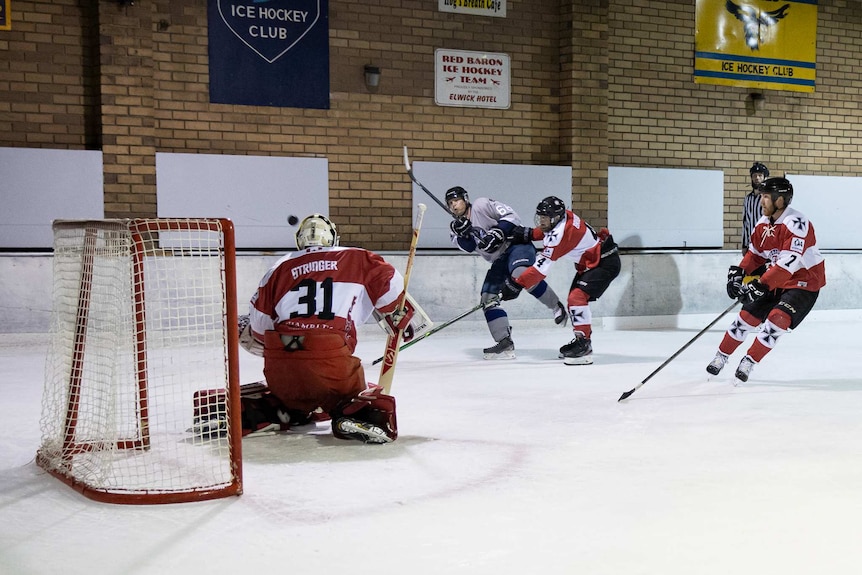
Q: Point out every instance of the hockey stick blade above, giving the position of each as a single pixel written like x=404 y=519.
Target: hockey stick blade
x=628 y=394
x=418 y=183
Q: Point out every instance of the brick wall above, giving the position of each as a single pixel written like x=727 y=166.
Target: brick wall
x=594 y=83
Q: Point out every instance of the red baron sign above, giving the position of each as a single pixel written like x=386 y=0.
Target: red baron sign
x=472 y=79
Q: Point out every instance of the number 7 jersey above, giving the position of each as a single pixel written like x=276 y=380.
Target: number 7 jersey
x=325 y=288
x=789 y=246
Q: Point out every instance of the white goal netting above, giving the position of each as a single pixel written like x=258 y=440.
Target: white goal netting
x=144 y=316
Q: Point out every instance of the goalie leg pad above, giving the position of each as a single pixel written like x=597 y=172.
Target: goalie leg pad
x=266 y=413
x=261 y=411
x=368 y=417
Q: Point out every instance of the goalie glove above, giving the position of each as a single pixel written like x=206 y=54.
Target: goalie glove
x=461 y=227
x=752 y=291
x=247 y=339
x=735 y=274
x=511 y=289
x=492 y=240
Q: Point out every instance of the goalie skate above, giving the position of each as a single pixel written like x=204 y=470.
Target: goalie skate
x=213 y=428
x=364 y=431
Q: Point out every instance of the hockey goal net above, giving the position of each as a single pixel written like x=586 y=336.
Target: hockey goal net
x=144 y=315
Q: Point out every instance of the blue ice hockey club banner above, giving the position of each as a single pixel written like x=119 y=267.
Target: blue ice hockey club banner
x=269 y=52
x=5 y=19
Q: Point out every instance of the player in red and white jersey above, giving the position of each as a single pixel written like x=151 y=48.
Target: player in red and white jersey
x=493 y=230
x=596 y=259
x=305 y=313
x=784 y=240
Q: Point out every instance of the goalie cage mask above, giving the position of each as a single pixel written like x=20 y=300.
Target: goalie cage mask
x=316 y=230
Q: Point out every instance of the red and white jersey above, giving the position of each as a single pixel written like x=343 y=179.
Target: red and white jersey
x=572 y=239
x=326 y=288
x=789 y=246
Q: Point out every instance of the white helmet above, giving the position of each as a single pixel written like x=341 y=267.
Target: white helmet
x=316 y=230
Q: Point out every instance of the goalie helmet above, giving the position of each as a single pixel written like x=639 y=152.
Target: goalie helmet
x=552 y=208
x=778 y=188
x=316 y=230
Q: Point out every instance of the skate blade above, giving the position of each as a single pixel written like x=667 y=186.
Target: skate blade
x=585 y=360
x=503 y=355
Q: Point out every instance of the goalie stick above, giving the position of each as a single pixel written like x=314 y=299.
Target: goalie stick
x=435 y=330
x=387 y=370
x=418 y=183
x=627 y=394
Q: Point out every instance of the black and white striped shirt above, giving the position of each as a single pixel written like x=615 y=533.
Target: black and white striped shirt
x=750 y=214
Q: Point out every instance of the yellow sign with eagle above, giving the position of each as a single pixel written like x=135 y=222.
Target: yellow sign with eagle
x=756 y=44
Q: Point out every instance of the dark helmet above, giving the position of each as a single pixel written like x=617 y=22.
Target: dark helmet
x=757 y=167
x=552 y=207
x=778 y=188
x=457 y=193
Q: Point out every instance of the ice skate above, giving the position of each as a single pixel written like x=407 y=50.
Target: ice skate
x=717 y=363
x=744 y=369
x=363 y=431
x=561 y=314
x=212 y=428
x=579 y=351
x=504 y=349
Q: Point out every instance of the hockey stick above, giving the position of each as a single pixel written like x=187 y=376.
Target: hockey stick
x=435 y=330
x=683 y=348
x=418 y=183
x=387 y=370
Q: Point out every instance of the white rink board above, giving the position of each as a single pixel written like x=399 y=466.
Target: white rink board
x=521 y=187
x=664 y=208
x=830 y=204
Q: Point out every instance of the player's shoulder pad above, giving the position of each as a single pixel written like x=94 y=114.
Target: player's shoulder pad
x=796 y=223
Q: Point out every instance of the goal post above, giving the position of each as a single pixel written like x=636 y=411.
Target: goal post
x=144 y=315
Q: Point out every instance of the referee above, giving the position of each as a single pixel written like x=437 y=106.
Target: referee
x=751 y=203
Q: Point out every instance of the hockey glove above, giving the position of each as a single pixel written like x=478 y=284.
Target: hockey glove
x=398 y=320
x=461 y=227
x=752 y=291
x=734 y=282
x=522 y=235
x=246 y=338
x=511 y=290
x=492 y=240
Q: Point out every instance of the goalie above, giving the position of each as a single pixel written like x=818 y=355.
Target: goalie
x=302 y=320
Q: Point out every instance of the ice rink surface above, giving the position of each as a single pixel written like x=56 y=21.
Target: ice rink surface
x=524 y=467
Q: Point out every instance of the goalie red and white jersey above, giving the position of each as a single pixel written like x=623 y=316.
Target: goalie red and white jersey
x=326 y=288
x=789 y=246
x=572 y=239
